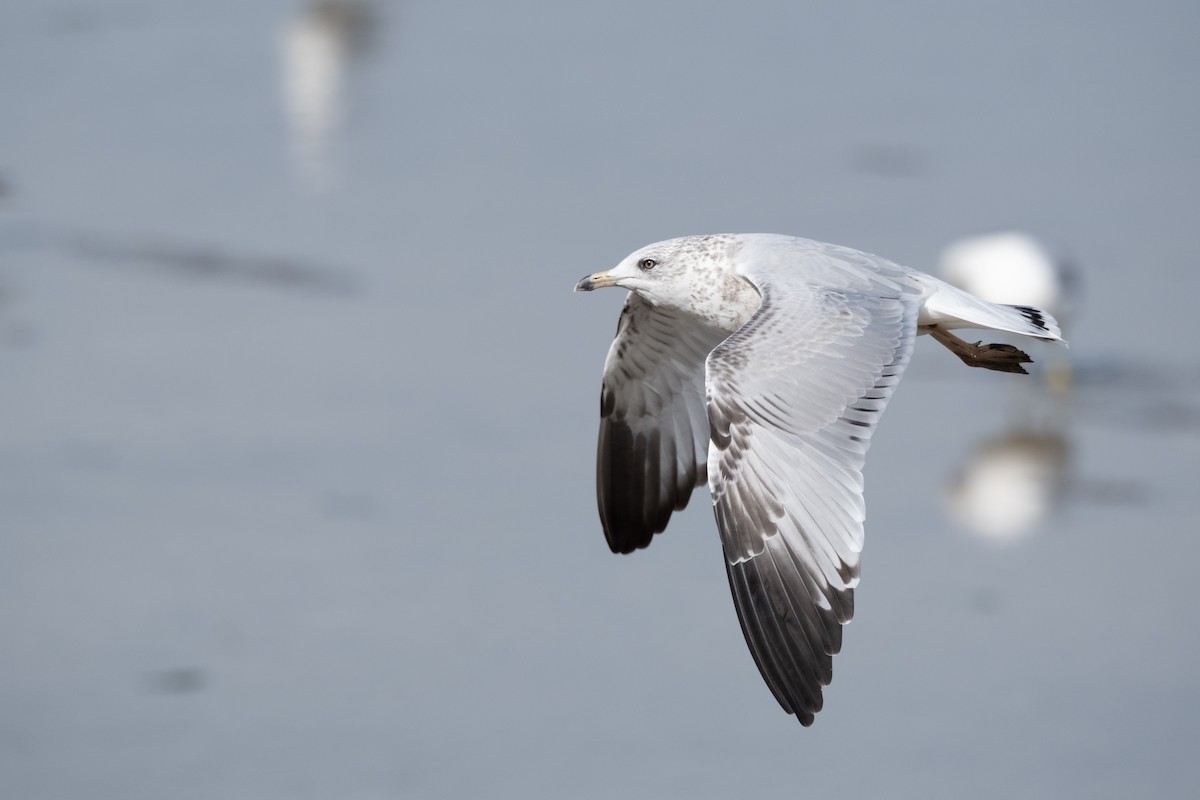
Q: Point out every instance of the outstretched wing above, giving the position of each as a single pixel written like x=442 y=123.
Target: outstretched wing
x=653 y=424
x=793 y=398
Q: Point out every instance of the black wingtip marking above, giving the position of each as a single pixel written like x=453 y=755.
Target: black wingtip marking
x=636 y=489
x=1034 y=315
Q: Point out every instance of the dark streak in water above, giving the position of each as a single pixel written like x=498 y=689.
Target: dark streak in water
x=177 y=681
x=887 y=160
x=208 y=262
x=184 y=259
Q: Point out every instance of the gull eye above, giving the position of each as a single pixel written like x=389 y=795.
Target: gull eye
x=647 y=264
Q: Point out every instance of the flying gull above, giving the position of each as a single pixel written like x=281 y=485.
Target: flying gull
x=761 y=363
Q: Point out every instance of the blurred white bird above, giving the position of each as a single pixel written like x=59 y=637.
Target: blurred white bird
x=1010 y=267
x=1014 y=268
x=316 y=49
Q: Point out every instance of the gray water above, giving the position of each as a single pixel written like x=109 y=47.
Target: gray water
x=296 y=492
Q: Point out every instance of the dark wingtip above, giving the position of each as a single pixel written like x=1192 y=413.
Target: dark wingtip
x=1035 y=316
x=624 y=539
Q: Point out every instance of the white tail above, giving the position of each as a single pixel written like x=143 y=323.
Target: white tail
x=948 y=308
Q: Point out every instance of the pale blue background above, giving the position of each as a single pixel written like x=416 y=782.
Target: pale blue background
x=296 y=493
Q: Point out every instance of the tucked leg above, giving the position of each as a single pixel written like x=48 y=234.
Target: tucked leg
x=1001 y=357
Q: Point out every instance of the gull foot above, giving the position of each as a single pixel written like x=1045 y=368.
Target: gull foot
x=1000 y=357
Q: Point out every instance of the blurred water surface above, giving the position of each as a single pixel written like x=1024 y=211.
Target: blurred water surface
x=296 y=493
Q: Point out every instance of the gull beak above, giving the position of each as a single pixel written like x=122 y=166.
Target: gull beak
x=597 y=281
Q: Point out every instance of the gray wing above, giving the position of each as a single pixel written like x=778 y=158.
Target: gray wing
x=653 y=423
x=793 y=397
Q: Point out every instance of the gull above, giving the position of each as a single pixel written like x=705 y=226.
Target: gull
x=760 y=364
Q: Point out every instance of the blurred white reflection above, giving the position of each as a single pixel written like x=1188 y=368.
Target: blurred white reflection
x=317 y=49
x=1010 y=484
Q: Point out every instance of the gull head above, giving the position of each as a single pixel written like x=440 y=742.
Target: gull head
x=654 y=270
x=693 y=274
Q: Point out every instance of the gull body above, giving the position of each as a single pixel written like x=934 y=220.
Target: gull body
x=760 y=364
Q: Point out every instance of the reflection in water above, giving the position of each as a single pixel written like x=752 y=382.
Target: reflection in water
x=1010 y=483
x=317 y=48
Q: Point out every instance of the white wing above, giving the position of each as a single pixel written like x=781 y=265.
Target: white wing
x=653 y=424
x=793 y=398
